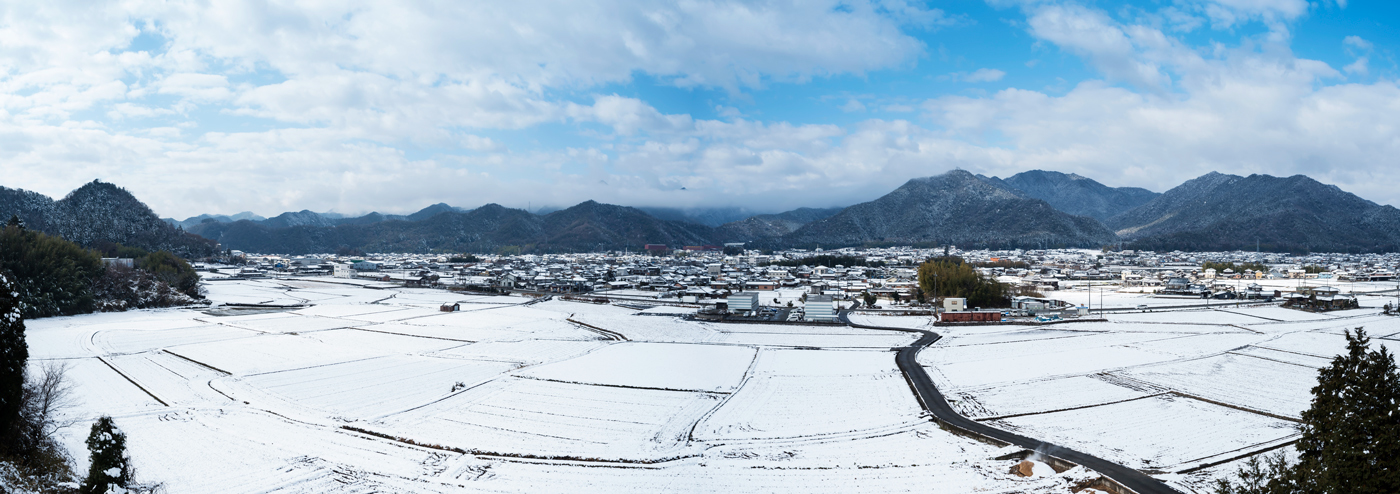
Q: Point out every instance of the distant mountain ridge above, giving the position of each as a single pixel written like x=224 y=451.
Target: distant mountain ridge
x=222 y=218
x=1211 y=212
x=588 y=226
x=1078 y=195
x=769 y=226
x=956 y=207
x=712 y=217
x=1229 y=212
x=99 y=213
x=312 y=218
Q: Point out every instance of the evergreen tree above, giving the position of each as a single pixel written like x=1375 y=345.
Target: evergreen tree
x=14 y=355
x=111 y=469
x=1350 y=436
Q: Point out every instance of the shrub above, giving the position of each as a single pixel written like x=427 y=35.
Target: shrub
x=110 y=469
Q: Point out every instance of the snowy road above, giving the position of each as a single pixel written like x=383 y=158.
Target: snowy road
x=936 y=404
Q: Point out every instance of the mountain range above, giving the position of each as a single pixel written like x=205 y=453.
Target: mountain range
x=1032 y=209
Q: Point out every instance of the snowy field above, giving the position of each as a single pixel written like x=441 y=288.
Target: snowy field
x=365 y=387
x=1173 y=392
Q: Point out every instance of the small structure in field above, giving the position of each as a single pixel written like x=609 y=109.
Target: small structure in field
x=1320 y=299
x=971 y=316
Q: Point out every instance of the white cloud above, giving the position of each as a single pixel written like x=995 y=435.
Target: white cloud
x=852 y=106
x=630 y=116
x=1227 y=13
x=1357 y=42
x=201 y=87
x=984 y=75
x=979 y=75
x=350 y=103
x=1119 y=51
x=1359 y=67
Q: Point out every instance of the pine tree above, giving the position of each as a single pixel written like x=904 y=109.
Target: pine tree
x=14 y=355
x=111 y=469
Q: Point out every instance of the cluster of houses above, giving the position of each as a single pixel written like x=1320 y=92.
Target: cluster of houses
x=889 y=274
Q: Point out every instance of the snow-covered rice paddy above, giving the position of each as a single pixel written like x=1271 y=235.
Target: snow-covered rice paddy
x=365 y=387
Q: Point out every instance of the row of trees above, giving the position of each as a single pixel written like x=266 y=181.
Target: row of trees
x=55 y=277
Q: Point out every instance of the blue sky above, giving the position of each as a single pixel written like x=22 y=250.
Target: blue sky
x=361 y=106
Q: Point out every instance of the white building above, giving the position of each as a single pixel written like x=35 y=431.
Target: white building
x=742 y=302
x=339 y=270
x=114 y=261
x=819 y=308
x=951 y=304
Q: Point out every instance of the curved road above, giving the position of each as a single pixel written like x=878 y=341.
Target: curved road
x=937 y=405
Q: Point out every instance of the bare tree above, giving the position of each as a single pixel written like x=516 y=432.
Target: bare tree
x=48 y=394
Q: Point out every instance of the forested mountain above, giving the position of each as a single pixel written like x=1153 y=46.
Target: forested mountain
x=222 y=218
x=607 y=226
x=771 y=226
x=201 y=224
x=704 y=216
x=1228 y=212
x=1077 y=195
x=490 y=228
x=32 y=207
x=99 y=213
x=954 y=208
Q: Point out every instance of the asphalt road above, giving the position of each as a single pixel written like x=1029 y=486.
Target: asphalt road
x=936 y=404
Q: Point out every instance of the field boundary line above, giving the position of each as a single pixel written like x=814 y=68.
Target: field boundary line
x=196 y=362
x=623 y=386
x=132 y=381
x=1260 y=357
x=410 y=335
x=1204 y=466
x=611 y=335
x=1236 y=407
x=1014 y=415
x=619 y=463
x=1249 y=315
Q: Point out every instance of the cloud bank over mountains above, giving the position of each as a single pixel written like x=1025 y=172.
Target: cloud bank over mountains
x=234 y=106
